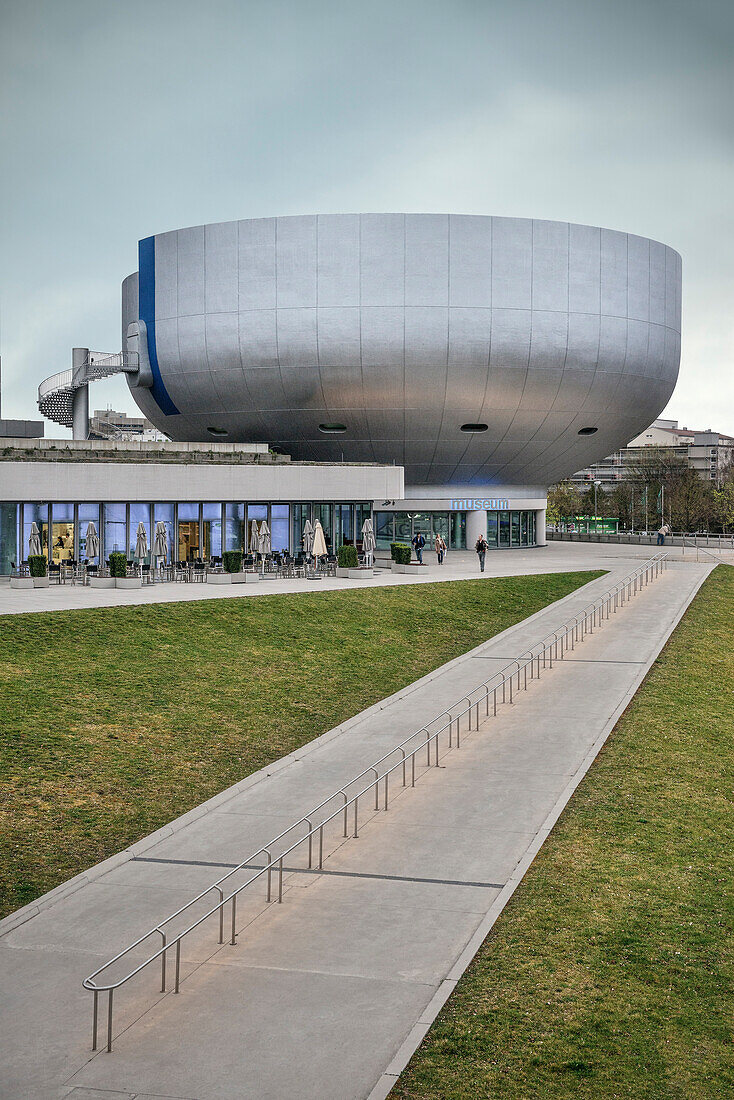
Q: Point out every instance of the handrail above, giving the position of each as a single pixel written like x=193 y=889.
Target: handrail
x=61 y=381
x=576 y=627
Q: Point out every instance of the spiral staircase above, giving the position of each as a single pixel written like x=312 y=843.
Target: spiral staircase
x=64 y=397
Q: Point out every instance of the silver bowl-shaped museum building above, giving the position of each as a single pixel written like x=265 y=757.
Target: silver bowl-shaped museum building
x=479 y=353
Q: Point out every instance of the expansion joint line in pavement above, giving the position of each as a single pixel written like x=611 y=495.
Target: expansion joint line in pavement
x=324 y=871
x=496 y=690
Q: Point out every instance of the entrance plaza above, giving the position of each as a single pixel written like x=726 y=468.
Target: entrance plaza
x=327 y=994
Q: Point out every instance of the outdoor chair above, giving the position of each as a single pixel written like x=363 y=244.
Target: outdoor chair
x=54 y=573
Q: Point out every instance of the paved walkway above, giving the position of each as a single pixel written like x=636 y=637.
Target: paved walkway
x=325 y=996
x=459 y=565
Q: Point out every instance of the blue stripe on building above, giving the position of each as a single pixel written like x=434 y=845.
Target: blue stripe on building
x=146 y=308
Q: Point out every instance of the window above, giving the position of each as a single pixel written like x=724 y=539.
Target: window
x=279 y=526
x=188 y=531
x=301 y=513
x=88 y=513
x=38 y=514
x=115 y=529
x=256 y=513
x=344 y=516
x=383 y=530
x=163 y=513
x=139 y=514
x=9 y=532
x=212 y=530
x=324 y=512
x=62 y=533
x=492 y=533
x=504 y=528
x=458 y=530
x=235 y=535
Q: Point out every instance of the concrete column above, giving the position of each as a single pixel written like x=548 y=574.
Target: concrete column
x=476 y=525
x=80 y=399
x=540 y=527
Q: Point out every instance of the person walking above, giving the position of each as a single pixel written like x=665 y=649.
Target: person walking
x=418 y=543
x=662 y=532
x=440 y=548
x=481 y=546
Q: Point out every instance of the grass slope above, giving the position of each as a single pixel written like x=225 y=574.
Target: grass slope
x=115 y=721
x=609 y=974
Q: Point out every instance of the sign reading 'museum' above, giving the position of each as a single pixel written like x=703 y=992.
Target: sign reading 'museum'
x=469 y=504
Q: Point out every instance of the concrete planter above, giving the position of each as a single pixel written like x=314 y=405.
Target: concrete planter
x=21 y=582
x=40 y=582
x=359 y=574
x=219 y=578
x=101 y=582
x=342 y=572
x=412 y=568
x=244 y=578
x=128 y=582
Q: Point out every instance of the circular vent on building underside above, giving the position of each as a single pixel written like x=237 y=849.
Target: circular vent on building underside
x=474 y=428
x=587 y=431
x=332 y=429
x=217 y=431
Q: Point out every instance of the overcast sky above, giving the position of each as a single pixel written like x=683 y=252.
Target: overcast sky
x=123 y=119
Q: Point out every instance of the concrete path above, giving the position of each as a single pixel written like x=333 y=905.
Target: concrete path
x=326 y=996
x=459 y=565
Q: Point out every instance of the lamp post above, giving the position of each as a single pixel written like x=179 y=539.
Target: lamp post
x=596 y=486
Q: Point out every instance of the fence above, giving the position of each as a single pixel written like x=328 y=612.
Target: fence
x=627 y=538
x=399 y=765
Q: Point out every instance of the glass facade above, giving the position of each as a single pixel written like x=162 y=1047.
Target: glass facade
x=504 y=529
x=204 y=530
x=403 y=526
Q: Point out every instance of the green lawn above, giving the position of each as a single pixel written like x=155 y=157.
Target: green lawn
x=609 y=974
x=115 y=721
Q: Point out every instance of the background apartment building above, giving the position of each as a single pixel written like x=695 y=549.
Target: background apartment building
x=707 y=452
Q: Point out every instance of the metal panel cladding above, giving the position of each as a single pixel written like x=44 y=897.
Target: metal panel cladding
x=472 y=350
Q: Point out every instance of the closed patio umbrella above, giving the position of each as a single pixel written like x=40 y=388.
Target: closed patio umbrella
x=92 y=545
x=254 y=536
x=368 y=540
x=308 y=534
x=141 y=542
x=34 y=541
x=160 y=541
x=264 y=538
x=319 y=542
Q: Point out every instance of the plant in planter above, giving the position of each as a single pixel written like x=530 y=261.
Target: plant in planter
x=348 y=564
x=232 y=561
x=346 y=557
x=37 y=565
x=400 y=553
x=38 y=568
x=118 y=565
